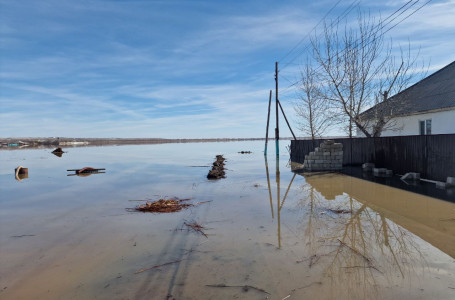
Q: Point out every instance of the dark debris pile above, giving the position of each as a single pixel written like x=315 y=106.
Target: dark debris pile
x=217 y=170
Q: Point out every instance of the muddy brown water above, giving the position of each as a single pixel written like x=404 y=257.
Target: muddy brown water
x=323 y=236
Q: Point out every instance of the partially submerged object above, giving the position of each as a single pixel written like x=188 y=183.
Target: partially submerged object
x=87 y=171
x=217 y=170
x=382 y=172
x=245 y=152
x=20 y=173
x=412 y=176
x=58 y=152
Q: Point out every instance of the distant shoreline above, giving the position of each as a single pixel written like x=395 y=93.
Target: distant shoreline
x=28 y=143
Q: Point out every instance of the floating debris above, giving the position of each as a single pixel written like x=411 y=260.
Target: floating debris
x=245 y=288
x=245 y=152
x=58 y=152
x=87 y=171
x=164 y=205
x=20 y=173
x=196 y=227
x=158 y=266
x=340 y=211
x=217 y=170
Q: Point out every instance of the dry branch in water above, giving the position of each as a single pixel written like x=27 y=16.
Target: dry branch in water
x=157 y=266
x=196 y=227
x=164 y=206
x=244 y=287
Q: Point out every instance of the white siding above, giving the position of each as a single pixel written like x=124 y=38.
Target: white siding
x=441 y=123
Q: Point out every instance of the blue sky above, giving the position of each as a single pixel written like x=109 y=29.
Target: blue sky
x=172 y=69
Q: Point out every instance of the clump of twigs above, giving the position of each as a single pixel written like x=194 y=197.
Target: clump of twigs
x=193 y=225
x=164 y=205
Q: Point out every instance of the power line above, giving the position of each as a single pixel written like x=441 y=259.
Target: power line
x=382 y=27
x=338 y=19
x=301 y=41
x=349 y=9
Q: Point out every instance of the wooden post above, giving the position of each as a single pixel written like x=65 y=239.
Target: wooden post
x=277 y=128
x=268 y=120
x=287 y=121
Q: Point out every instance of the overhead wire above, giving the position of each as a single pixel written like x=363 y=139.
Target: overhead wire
x=338 y=19
x=382 y=27
x=314 y=27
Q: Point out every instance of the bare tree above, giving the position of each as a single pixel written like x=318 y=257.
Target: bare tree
x=312 y=107
x=357 y=70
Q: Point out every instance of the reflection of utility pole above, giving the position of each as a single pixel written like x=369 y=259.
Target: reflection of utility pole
x=278 y=197
x=277 y=128
x=280 y=202
x=268 y=183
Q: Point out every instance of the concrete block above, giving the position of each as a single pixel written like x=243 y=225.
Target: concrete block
x=450 y=181
x=368 y=167
x=326 y=153
x=389 y=172
x=379 y=170
x=329 y=142
x=411 y=176
x=324 y=146
x=318 y=161
x=441 y=185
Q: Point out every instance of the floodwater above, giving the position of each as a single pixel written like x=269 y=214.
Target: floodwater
x=271 y=234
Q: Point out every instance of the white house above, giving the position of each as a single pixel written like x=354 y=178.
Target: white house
x=427 y=107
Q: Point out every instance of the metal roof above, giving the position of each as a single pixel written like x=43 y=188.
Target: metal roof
x=434 y=92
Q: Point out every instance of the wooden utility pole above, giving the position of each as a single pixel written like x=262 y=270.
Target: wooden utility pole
x=277 y=128
x=286 y=119
x=268 y=120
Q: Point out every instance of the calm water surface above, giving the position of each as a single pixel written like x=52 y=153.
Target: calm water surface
x=323 y=236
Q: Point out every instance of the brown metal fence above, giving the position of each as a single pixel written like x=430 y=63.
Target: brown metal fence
x=433 y=156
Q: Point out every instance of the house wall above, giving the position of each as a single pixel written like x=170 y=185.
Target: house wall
x=442 y=122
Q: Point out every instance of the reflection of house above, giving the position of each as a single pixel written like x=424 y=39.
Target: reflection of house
x=427 y=107
x=426 y=217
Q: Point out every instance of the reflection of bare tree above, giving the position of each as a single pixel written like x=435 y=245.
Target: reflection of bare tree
x=358 y=247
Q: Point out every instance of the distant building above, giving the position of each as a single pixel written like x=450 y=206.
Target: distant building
x=427 y=107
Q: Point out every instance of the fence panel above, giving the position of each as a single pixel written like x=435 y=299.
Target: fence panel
x=432 y=156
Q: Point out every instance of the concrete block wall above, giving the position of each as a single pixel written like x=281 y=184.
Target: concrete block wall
x=327 y=157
